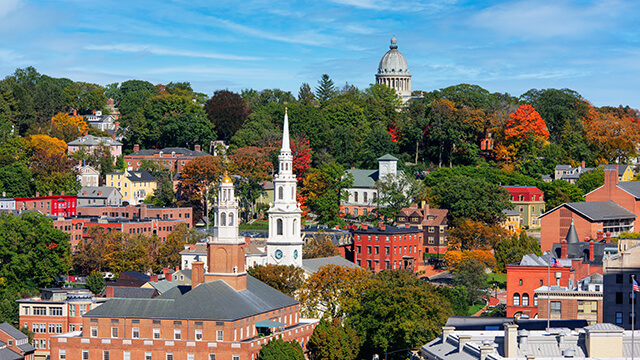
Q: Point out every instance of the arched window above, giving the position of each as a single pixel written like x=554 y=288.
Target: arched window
x=279 y=230
x=223 y=219
x=364 y=196
x=525 y=299
x=535 y=300
x=293 y=194
x=375 y=194
x=355 y=212
x=280 y=193
x=355 y=196
x=293 y=229
x=516 y=299
x=230 y=219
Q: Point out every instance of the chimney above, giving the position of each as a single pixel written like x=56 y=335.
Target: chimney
x=136 y=147
x=582 y=164
x=463 y=339
x=109 y=291
x=143 y=211
x=197 y=273
x=563 y=249
x=510 y=341
x=486 y=349
x=383 y=227
x=86 y=132
x=116 y=125
x=75 y=112
x=364 y=226
x=608 y=236
x=591 y=249
x=50 y=193
x=599 y=235
x=153 y=278
x=446 y=332
x=37 y=194
x=197 y=148
x=407 y=226
x=610 y=180
x=94 y=112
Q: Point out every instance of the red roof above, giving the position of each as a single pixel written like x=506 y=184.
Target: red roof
x=523 y=190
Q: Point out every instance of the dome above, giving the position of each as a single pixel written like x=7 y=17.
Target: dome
x=393 y=62
x=226 y=179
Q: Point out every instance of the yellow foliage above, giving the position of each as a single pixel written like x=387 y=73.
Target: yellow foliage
x=454 y=257
x=51 y=145
x=64 y=120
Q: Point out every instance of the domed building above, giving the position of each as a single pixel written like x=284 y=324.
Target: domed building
x=393 y=71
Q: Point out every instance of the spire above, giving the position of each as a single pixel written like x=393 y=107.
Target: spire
x=285 y=134
x=394 y=44
x=572 y=235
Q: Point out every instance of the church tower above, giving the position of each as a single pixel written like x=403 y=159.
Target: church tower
x=284 y=245
x=226 y=249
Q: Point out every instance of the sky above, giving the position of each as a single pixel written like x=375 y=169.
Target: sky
x=505 y=46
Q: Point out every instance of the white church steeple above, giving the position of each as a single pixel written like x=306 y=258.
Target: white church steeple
x=226 y=213
x=284 y=245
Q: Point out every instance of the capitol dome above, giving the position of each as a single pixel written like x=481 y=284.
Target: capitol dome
x=393 y=71
x=393 y=62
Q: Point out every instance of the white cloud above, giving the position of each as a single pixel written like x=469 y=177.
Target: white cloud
x=136 y=48
x=7 y=6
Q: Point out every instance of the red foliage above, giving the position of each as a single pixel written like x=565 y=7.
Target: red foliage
x=52 y=246
x=525 y=122
x=393 y=131
x=301 y=151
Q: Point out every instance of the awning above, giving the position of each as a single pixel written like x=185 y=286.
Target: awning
x=269 y=324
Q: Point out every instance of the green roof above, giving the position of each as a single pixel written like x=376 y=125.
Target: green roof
x=388 y=157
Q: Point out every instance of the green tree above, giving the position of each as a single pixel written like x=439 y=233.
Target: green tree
x=511 y=250
x=331 y=340
x=471 y=274
x=278 y=349
x=397 y=191
x=472 y=198
x=324 y=189
x=287 y=279
x=96 y=282
x=320 y=245
x=305 y=95
x=591 y=180
x=326 y=89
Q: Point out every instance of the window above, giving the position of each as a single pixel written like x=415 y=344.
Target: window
x=516 y=299
x=631 y=317
x=364 y=197
x=83 y=308
x=431 y=240
x=619 y=279
x=535 y=300
x=556 y=307
x=386 y=250
x=525 y=299
x=39 y=310
x=541 y=282
x=191 y=356
x=135 y=333
x=212 y=356
x=169 y=356
x=114 y=332
x=147 y=356
x=235 y=357
x=105 y=355
x=198 y=334
x=280 y=193
x=632 y=297
x=55 y=311
x=432 y=229
x=355 y=197
x=618 y=298
x=618 y=318
x=369 y=249
x=126 y=355
x=220 y=335
x=223 y=219
x=63 y=354
x=520 y=282
x=72 y=310
x=94 y=331
x=176 y=334
x=279 y=230
x=377 y=250
x=85 y=354
x=156 y=333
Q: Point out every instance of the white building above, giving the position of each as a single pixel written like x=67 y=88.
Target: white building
x=284 y=244
x=88 y=176
x=362 y=193
x=393 y=71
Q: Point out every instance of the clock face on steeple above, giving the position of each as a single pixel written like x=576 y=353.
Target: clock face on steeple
x=278 y=254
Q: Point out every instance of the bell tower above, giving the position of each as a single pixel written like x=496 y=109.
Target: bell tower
x=226 y=249
x=284 y=245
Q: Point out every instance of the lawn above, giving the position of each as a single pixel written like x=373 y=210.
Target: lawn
x=475 y=308
x=256 y=225
x=499 y=279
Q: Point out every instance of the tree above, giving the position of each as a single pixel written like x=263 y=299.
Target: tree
x=287 y=279
x=301 y=151
x=47 y=143
x=197 y=178
x=613 y=138
x=305 y=95
x=332 y=340
x=96 y=282
x=591 y=180
x=330 y=290
x=227 y=111
x=472 y=198
x=473 y=235
x=54 y=173
x=169 y=251
x=278 y=349
x=253 y=165
x=397 y=191
x=325 y=188
x=397 y=311
x=511 y=250
x=320 y=245
x=471 y=274
x=68 y=128
x=326 y=89
x=524 y=124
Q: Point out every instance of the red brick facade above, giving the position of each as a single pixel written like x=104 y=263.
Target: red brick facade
x=555 y=225
x=522 y=281
x=184 y=214
x=571 y=305
x=388 y=247
x=611 y=191
x=62 y=205
x=172 y=160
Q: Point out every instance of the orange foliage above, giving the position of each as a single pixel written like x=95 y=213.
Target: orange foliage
x=46 y=143
x=454 y=257
x=68 y=128
x=525 y=123
x=614 y=135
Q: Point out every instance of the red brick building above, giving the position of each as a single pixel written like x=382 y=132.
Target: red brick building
x=71 y=225
x=433 y=223
x=55 y=311
x=61 y=205
x=183 y=214
x=568 y=303
x=623 y=193
x=388 y=247
x=14 y=344
x=173 y=159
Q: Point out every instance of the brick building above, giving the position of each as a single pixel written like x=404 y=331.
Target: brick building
x=388 y=247
x=61 y=205
x=589 y=217
x=91 y=143
x=184 y=214
x=55 y=311
x=529 y=202
x=623 y=193
x=433 y=223
x=14 y=344
x=572 y=303
x=73 y=225
x=226 y=314
x=174 y=159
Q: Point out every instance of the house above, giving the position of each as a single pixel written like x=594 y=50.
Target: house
x=529 y=202
x=581 y=302
x=341 y=239
x=623 y=193
x=192 y=253
x=174 y=159
x=362 y=193
x=61 y=205
x=87 y=175
x=589 y=217
x=90 y=143
x=569 y=173
x=505 y=338
x=101 y=121
x=388 y=247
x=55 y=311
x=433 y=222
x=512 y=222
x=266 y=193
x=619 y=272
x=7 y=203
x=14 y=344
x=625 y=172
x=134 y=186
x=99 y=196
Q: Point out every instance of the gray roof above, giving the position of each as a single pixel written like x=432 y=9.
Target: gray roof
x=604 y=327
x=632 y=187
x=363 y=178
x=11 y=331
x=137 y=176
x=162 y=286
x=572 y=235
x=314 y=265
x=8 y=354
x=98 y=192
x=26 y=347
x=128 y=292
x=178 y=150
x=388 y=157
x=209 y=301
x=510 y=212
x=90 y=140
x=596 y=211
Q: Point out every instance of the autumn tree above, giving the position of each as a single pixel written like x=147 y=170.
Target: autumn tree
x=68 y=128
x=327 y=292
x=227 y=111
x=525 y=123
x=197 y=178
x=324 y=188
x=613 y=138
x=475 y=235
x=54 y=173
x=333 y=340
x=46 y=143
x=287 y=279
x=301 y=152
x=253 y=165
x=169 y=251
x=320 y=245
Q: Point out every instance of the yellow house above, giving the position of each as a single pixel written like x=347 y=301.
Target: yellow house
x=134 y=186
x=512 y=222
x=625 y=173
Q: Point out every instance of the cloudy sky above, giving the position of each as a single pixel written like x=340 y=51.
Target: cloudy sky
x=592 y=47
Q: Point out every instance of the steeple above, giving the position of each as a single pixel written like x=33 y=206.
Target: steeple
x=285 y=158
x=572 y=235
x=285 y=134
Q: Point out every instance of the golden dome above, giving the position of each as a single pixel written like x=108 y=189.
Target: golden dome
x=227 y=180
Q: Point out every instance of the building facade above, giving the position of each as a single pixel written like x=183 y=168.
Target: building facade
x=88 y=176
x=91 y=143
x=388 y=247
x=61 y=205
x=143 y=211
x=433 y=222
x=619 y=271
x=362 y=193
x=99 y=196
x=134 y=186
x=284 y=245
x=173 y=159
x=529 y=202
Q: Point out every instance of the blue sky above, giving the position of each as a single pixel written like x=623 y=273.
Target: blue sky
x=592 y=47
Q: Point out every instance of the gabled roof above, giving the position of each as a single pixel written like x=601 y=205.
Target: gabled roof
x=137 y=275
x=11 y=331
x=136 y=176
x=632 y=187
x=90 y=140
x=196 y=249
x=98 y=192
x=214 y=300
x=8 y=354
x=596 y=211
x=387 y=157
x=363 y=178
x=127 y=292
x=313 y=265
